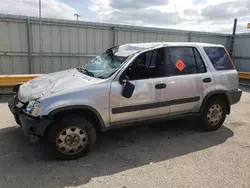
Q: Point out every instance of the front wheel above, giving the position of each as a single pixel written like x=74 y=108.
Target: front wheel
x=71 y=138
x=213 y=115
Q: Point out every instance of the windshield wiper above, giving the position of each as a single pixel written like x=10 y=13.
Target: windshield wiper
x=88 y=72
x=101 y=77
x=85 y=71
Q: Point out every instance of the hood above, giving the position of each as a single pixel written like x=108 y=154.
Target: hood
x=52 y=83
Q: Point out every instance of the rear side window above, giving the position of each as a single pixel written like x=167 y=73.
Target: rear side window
x=184 y=60
x=219 y=58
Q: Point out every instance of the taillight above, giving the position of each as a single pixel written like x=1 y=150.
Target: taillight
x=230 y=58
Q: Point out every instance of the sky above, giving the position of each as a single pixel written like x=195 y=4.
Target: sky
x=197 y=15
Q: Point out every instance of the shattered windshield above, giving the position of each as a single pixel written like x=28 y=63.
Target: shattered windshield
x=104 y=65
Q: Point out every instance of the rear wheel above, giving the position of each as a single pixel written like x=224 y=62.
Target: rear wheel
x=71 y=138
x=213 y=115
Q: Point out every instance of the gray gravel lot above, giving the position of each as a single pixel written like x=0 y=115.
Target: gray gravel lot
x=169 y=154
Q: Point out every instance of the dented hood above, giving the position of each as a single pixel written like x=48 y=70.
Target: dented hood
x=52 y=83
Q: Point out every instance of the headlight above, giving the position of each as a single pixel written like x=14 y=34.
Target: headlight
x=33 y=108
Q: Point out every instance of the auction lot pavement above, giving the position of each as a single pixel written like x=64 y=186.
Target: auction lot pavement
x=168 y=154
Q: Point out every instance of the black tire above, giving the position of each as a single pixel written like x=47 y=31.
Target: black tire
x=204 y=120
x=56 y=129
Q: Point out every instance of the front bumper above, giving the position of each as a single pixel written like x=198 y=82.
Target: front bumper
x=234 y=96
x=33 y=127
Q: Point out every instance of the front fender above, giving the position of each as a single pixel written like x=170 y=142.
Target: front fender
x=58 y=102
x=91 y=99
x=52 y=114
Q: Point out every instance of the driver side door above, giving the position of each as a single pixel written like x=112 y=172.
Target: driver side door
x=146 y=101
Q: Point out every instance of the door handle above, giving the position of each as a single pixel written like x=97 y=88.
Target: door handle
x=160 y=86
x=206 y=80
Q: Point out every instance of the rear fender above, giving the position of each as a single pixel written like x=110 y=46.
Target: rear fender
x=218 y=93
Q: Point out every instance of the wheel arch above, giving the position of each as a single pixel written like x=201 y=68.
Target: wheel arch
x=220 y=94
x=85 y=111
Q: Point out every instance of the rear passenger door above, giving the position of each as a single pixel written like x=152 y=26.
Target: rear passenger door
x=188 y=79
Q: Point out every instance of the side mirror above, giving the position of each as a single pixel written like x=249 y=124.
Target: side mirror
x=128 y=89
x=123 y=78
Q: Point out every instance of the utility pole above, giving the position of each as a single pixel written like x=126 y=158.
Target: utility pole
x=232 y=38
x=77 y=16
x=40 y=35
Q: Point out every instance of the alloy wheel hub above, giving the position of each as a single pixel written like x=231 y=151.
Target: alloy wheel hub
x=72 y=140
x=214 y=114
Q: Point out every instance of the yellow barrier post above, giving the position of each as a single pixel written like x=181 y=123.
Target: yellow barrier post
x=244 y=75
x=12 y=80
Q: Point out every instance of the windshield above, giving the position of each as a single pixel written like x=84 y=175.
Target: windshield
x=104 y=65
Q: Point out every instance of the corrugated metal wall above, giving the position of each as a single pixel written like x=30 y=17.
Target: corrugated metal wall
x=67 y=44
x=241 y=52
x=65 y=47
x=13 y=39
x=64 y=44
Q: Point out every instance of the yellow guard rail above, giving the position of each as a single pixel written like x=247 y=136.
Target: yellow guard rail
x=12 y=80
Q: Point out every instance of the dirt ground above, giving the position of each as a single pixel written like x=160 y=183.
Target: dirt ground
x=168 y=154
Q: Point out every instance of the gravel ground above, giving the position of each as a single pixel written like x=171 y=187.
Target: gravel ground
x=169 y=154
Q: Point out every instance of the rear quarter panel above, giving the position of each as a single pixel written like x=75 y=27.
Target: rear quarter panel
x=226 y=80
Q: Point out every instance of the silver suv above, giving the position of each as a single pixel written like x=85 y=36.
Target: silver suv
x=126 y=85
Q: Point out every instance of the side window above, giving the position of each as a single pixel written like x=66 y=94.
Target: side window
x=181 y=61
x=184 y=60
x=200 y=66
x=147 y=65
x=219 y=58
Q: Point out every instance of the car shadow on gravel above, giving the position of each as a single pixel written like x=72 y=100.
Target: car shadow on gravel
x=23 y=164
